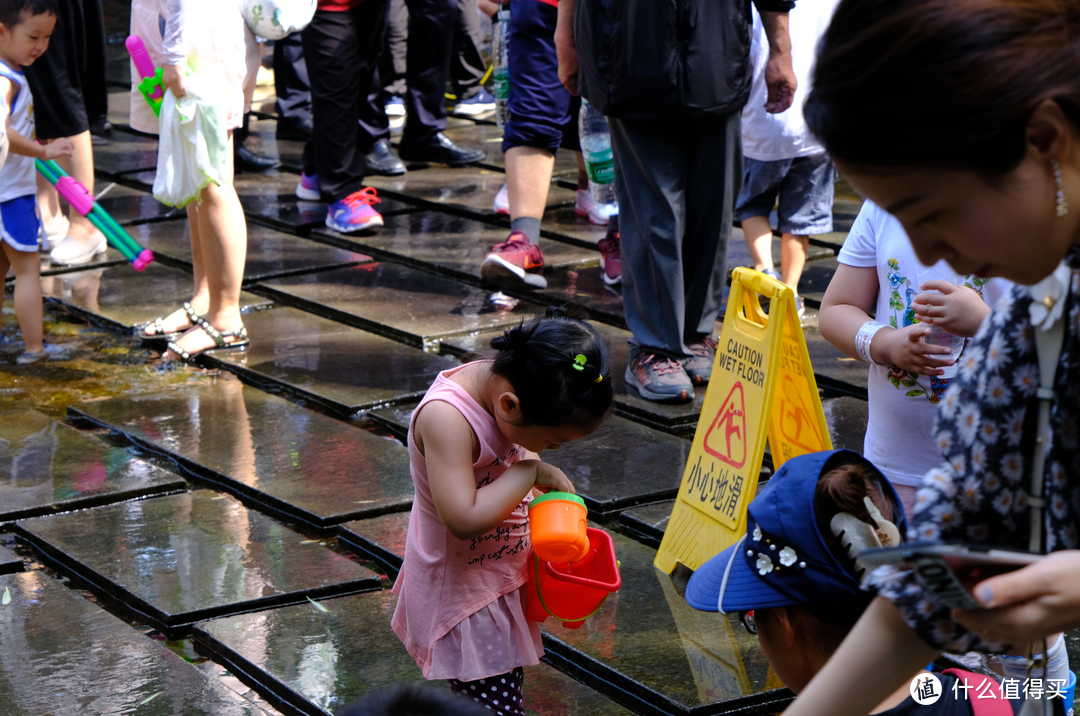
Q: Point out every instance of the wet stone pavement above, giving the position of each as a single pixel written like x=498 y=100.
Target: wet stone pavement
x=222 y=538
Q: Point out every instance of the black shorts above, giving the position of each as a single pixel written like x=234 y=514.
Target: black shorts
x=68 y=80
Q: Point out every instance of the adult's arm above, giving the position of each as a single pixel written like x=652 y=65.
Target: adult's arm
x=566 y=46
x=779 y=74
x=879 y=655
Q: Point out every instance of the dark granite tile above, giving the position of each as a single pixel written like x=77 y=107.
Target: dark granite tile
x=679 y=418
x=833 y=370
x=672 y=658
x=846 y=418
x=585 y=287
x=564 y=221
x=816 y=276
x=338 y=366
x=191 y=556
x=126 y=204
x=452 y=244
x=381 y=539
x=394 y=418
x=470 y=189
x=487 y=137
x=317 y=662
x=622 y=464
x=65 y=655
x=48 y=467
x=287 y=460
x=120 y=298
x=9 y=561
x=125 y=152
x=648 y=522
x=397 y=301
x=270 y=253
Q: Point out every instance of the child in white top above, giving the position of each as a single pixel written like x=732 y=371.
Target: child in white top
x=878 y=270
x=25 y=28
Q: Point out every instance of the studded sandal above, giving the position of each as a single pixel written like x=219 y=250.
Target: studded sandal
x=219 y=337
x=159 y=327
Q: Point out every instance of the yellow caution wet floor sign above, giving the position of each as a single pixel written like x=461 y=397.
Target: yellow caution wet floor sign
x=762 y=386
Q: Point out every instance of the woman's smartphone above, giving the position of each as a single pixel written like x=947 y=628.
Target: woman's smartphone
x=949 y=571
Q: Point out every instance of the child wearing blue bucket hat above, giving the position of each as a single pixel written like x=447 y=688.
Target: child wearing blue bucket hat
x=794 y=578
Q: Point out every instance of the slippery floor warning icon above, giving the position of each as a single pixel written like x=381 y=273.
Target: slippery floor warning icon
x=762 y=387
x=726 y=438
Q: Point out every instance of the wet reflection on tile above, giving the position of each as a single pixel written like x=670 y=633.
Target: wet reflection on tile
x=192 y=556
x=381 y=539
x=846 y=418
x=120 y=297
x=126 y=204
x=394 y=418
x=322 y=661
x=406 y=304
x=111 y=257
x=269 y=253
x=290 y=461
x=125 y=152
x=65 y=654
x=455 y=244
x=46 y=467
x=9 y=561
x=585 y=287
x=648 y=522
x=833 y=369
x=564 y=220
x=341 y=367
x=816 y=277
x=650 y=642
x=487 y=137
x=622 y=464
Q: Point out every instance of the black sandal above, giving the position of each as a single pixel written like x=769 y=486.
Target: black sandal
x=160 y=334
x=219 y=337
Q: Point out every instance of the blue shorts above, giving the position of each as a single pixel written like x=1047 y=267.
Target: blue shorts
x=805 y=189
x=543 y=114
x=20 y=223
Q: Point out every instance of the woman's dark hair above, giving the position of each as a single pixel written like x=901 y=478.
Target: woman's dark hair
x=555 y=387
x=950 y=84
x=11 y=10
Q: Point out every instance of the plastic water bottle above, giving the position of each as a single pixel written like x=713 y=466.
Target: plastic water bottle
x=940 y=337
x=500 y=64
x=596 y=149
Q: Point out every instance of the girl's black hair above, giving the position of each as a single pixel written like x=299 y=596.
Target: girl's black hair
x=11 y=10
x=556 y=387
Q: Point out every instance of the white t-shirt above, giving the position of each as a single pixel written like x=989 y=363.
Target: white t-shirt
x=902 y=405
x=769 y=137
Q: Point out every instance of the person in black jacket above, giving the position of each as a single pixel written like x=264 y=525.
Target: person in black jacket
x=672 y=79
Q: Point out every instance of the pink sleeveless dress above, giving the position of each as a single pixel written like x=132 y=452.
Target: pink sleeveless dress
x=460 y=611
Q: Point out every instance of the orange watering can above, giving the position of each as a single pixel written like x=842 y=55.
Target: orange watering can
x=573 y=592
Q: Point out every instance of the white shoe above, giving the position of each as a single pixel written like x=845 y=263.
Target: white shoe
x=502 y=202
x=598 y=213
x=74 y=253
x=54 y=232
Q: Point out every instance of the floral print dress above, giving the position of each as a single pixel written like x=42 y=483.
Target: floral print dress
x=986 y=430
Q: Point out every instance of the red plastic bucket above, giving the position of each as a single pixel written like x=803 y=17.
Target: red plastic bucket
x=573 y=592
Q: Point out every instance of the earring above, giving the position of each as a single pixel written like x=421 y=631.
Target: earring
x=1061 y=205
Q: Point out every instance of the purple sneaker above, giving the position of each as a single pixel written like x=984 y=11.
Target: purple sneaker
x=354 y=212
x=308 y=188
x=658 y=377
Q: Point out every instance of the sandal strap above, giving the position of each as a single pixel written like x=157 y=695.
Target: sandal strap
x=172 y=345
x=191 y=313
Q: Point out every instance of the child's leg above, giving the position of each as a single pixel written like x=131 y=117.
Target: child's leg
x=28 y=305
x=759 y=235
x=792 y=258
x=499 y=694
x=80 y=165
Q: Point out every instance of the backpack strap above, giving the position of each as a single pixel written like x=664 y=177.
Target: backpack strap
x=976 y=683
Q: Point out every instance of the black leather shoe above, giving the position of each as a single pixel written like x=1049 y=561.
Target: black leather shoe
x=439 y=150
x=381 y=159
x=299 y=128
x=249 y=161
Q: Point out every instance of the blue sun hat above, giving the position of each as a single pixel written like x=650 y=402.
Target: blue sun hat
x=784 y=560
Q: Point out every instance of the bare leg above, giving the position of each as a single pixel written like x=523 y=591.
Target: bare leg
x=792 y=258
x=81 y=166
x=28 y=308
x=759 y=241
x=528 y=176
x=48 y=200
x=582 y=172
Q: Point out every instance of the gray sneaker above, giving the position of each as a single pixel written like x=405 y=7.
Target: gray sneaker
x=699 y=366
x=658 y=377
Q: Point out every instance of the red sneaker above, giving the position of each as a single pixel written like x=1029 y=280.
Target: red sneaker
x=515 y=260
x=611 y=259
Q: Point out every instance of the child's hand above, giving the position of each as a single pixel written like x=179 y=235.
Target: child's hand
x=173 y=78
x=59 y=148
x=905 y=349
x=957 y=309
x=549 y=477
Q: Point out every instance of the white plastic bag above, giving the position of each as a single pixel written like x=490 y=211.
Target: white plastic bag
x=276 y=19
x=193 y=143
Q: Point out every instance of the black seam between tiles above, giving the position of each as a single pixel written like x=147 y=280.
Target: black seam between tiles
x=91 y=501
x=608 y=689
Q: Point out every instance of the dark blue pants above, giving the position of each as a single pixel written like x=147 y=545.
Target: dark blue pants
x=291 y=82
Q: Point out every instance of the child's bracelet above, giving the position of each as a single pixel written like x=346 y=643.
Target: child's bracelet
x=863 y=338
